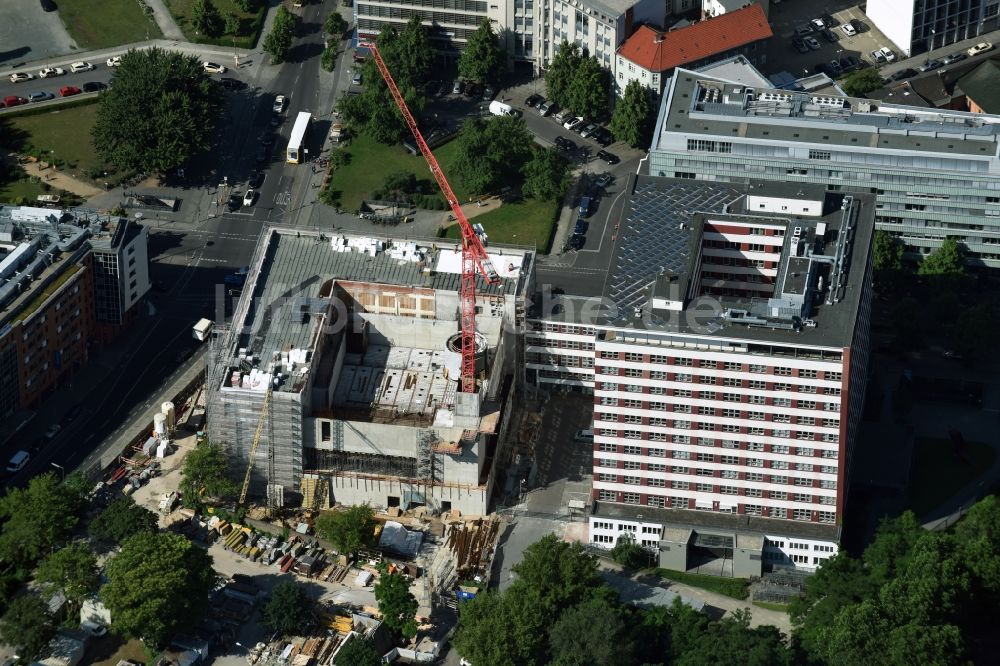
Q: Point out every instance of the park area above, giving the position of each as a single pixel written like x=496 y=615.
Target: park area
x=99 y=25
x=367 y=164
x=251 y=23
x=941 y=470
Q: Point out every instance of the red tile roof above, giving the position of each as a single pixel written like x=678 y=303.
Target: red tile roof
x=695 y=42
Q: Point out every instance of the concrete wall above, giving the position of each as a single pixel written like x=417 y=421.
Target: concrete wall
x=353 y=490
x=673 y=556
x=895 y=19
x=747 y=562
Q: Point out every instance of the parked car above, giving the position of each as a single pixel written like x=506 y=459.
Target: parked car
x=818 y=24
x=564 y=143
x=850 y=63
x=356 y=78
x=877 y=57
x=829 y=35
x=230 y=83
x=812 y=43
x=903 y=74
x=890 y=55
x=580 y=227
x=930 y=65
x=589 y=130
x=80 y=67
x=444 y=88
x=94 y=86
x=18 y=461
x=800 y=45
x=836 y=67
x=545 y=108
x=804 y=31
x=457 y=87
x=249 y=197
x=603 y=180
x=279 y=104
x=954 y=57
x=577 y=241
x=48 y=72
x=13 y=100
x=848 y=30
x=533 y=100
x=584 y=209
x=114 y=61
x=213 y=68
x=256 y=180
x=981 y=47
x=605 y=156
x=586 y=436
x=603 y=137
x=40 y=96
x=488 y=93
x=18 y=77
x=53 y=430
x=573 y=123
x=235 y=201
x=859 y=26
x=69 y=91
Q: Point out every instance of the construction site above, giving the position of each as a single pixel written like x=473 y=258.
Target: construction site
x=340 y=380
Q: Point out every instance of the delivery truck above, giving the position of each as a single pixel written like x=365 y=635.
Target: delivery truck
x=202 y=329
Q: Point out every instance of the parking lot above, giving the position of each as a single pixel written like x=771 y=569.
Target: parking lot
x=29 y=33
x=787 y=17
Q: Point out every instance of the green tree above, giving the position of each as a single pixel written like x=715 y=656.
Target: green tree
x=120 y=520
x=560 y=573
x=576 y=643
x=887 y=252
x=289 y=610
x=28 y=625
x=630 y=554
x=732 y=641
x=396 y=603
x=158 y=583
x=206 y=18
x=161 y=111
x=357 y=652
x=946 y=261
x=546 y=174
x=633 y=116
x=204 y=475
x=975 y=332
x=862 y=81
x=334 y=24
x=561 y=72
x=497 y=629
x=587 y=94
x=247 y=5
x=328 y=61
x=487 y=147
x=398 y=186
x=233 y=24
x=483 y=59
x=279 y=40
x=72 y=571
x=348 y=530
x=37 y=519
x=408 y=54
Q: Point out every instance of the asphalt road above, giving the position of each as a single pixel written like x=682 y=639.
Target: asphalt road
x=191 y=250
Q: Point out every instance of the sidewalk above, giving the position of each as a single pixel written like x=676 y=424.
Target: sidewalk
x=165 y=20
x=61 y=180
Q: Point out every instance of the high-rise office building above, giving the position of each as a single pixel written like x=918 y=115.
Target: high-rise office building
x=917 y=26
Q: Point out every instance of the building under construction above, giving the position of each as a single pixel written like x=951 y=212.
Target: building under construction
x=350 y=346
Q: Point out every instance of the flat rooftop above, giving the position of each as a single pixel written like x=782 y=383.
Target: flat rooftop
x=401 y=379
x=662 y=235
x=283 y=301
x=698 y=104
x=681 y=519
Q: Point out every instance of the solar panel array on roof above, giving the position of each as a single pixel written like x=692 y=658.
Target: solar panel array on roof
x=657 y=235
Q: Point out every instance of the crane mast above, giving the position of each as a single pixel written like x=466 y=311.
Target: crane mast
x=474 y=257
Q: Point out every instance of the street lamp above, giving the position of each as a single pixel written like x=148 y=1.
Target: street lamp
x=60 y=468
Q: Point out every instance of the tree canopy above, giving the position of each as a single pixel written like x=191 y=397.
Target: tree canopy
x=204 y=475
x=348 y=530
x=946 y=261
x=37 y=518
x=558 y=610
x=587 y=94
x=289 y=610
x=483 y=59
x=562 y=69
x=71 y=570
x=633 y=116
x=157 y=584
x=546 y=174
x=862 y=81
x=914 y=597
x=396 y=603
x=120 y=520
x=206 y=19
x=357 y=652
x=487 y=147
x=334 y=25
x=161 y=110
x=27 y=624
x=279 y=40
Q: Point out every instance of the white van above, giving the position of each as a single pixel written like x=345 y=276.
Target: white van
x=500 y=109
x=584 y=436
x=18 y=461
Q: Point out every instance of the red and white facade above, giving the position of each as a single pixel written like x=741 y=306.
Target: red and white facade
x=758 y=425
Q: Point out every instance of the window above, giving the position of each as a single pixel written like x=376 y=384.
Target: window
x=682 y=455
x=729 y=365
x=729 y=490
x=757 y=400
x=732 y=397
x=632 y=418
x=801 y=514
x=608 y=478
x=682 y=409
x=656 y=467
x=655 y=500
x=679 y=485
x=632 y=450
x=606 y=495
x=703 y=146
x=757 y=384
x=686 y=362
x=632 y=480
x=631 y=464
x=632 y=434
x=656 y=453
x=704 y=487
x=684 y=377
x=630 y=356
x=784 y=372
x=633 y=372
x=630 y=498
x=656 y=483
x=758 y=368
x=833 y=376
x=634 y=404
x=607 y=448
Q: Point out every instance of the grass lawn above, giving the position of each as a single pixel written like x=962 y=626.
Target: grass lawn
x=65 y=131
x=370 y=163
x=737 y=588
x=251 y=23
x=98 y=25
x=20 y=188
x=526 y=222
x=938 y=472
x=781 y=608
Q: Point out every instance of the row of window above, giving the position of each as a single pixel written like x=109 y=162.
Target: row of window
x=706 y=410
x=708 y=426
x=658 y=501
x=611 y=447
x=734 y=366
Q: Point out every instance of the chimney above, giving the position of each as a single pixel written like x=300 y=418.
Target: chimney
x=659 y=38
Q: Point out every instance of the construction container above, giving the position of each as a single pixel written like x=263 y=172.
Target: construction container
x=167 y=409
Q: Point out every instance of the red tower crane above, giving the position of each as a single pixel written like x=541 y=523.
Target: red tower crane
x=474 y=257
